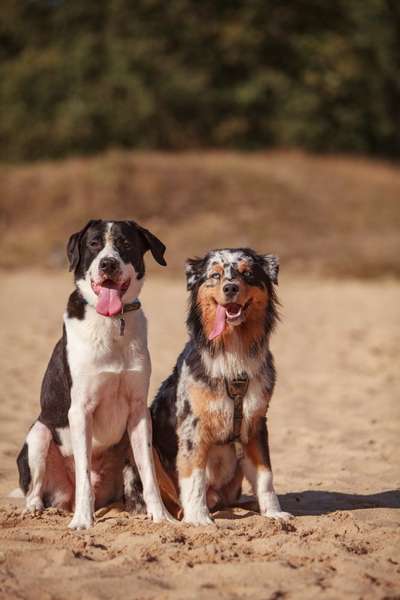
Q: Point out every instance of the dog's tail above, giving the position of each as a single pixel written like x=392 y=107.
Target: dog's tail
x=168 y=487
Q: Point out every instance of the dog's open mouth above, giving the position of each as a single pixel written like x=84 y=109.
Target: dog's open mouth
x=109 y=294
x=232 y=313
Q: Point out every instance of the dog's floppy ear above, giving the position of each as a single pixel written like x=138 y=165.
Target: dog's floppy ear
x=152 y=243
x=271 y=267
x=73 y=246
x=194 y=269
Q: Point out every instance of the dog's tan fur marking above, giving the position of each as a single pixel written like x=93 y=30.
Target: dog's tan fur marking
x=256 y=455
x=168 y=487
x=243 y=265
x=217 y=268
x=198 y=460
x=213 y=423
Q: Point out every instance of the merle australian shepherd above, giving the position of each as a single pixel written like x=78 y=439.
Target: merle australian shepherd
x=209 y=416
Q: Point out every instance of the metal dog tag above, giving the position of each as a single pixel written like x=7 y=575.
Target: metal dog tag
x=121 y=326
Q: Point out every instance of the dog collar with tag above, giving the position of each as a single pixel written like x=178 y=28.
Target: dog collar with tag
x=135 y=305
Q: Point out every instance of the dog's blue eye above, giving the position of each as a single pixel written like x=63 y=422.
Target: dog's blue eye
x=246 y=274
x=216 y=275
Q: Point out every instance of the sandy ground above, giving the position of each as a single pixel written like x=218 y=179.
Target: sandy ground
x=334 y=422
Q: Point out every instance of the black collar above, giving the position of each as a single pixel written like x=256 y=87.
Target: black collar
x=135 y=305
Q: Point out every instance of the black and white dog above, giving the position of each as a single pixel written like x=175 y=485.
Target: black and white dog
x=94 y=392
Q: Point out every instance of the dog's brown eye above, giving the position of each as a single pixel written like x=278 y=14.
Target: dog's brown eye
x=94 y=244
x=216 y=275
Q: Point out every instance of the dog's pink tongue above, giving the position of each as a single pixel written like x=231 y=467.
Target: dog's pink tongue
x=109 y=302
x=219 y=322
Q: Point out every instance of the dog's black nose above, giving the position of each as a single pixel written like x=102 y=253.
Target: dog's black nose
x=230 y=289
x=109 y=265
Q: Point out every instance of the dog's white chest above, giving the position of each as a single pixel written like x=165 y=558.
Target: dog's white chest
x=111 y=398
x=109 y=372
x=95 y=344
x=111 y=413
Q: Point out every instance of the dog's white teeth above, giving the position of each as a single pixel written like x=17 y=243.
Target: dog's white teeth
x=235 y=315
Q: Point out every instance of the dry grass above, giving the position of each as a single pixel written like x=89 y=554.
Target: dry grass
x=326 y=215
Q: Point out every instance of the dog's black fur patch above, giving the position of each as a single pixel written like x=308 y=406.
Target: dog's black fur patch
x=163 y=411
x=23 y=468
x=76 y=306
x=55 y=397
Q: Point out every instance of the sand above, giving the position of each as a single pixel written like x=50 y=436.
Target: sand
x=334 y=429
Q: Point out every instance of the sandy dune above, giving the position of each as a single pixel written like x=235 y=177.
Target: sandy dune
x=334 y=424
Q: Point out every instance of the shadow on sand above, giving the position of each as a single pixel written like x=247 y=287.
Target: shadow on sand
x=320 y=502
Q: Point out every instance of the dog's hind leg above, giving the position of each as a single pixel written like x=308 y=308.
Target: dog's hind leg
x=58 y=488
x=32 y=466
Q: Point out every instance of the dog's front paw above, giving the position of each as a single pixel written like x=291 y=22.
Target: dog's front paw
x=34 y=506
x=270 y=507
x=81 y=521
x=278 y=514
x=161 y=514
x=198 y=517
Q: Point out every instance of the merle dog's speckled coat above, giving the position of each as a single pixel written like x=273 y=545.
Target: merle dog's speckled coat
x=193 y=413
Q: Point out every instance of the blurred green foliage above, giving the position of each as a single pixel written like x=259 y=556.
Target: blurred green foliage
x=80 y=76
